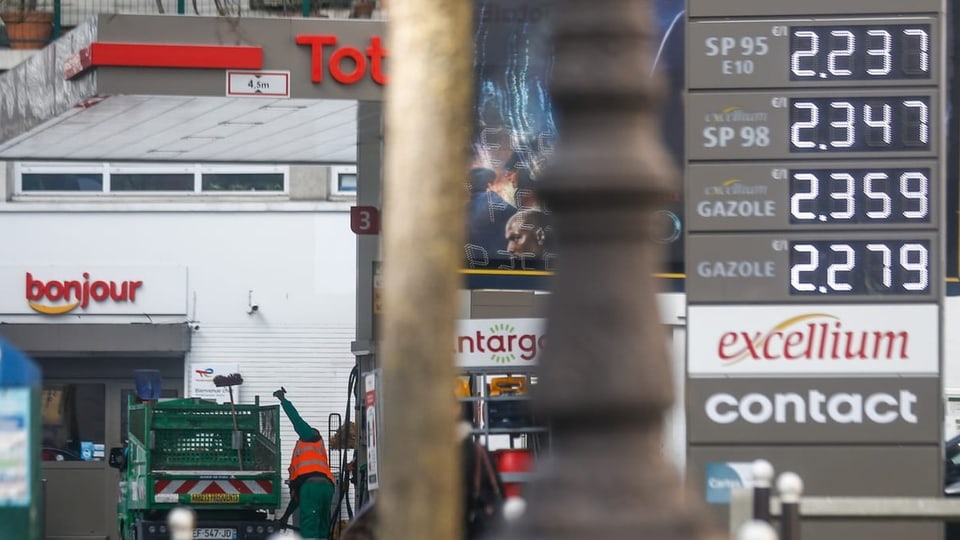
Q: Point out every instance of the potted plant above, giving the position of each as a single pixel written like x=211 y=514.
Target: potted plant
x=29 y=23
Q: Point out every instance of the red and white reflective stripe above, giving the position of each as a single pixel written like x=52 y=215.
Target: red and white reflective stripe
x=243 y=487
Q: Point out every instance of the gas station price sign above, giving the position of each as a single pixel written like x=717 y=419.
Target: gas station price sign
x=814 y=135
x=804 y=53
x=814 y=267
x=863 y=123
x=814 y=191
x=812 y=195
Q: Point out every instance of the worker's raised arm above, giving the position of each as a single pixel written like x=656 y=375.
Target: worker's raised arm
x=303 y=429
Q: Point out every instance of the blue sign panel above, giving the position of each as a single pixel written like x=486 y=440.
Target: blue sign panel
x=722 y=477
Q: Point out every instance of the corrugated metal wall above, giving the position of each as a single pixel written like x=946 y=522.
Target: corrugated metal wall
x=312 y=363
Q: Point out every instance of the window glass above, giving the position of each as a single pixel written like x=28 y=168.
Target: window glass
x=73 y=422
x=62 y=182
x=347 y=182
x=151 y=182
x=243 y=182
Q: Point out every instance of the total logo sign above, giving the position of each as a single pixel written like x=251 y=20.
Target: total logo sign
x=499 y=342
x=812 y=339
x=346 y=65
x=59 y=291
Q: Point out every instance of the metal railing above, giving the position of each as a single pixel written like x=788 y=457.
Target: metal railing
x=754 y=510
x=70 y=13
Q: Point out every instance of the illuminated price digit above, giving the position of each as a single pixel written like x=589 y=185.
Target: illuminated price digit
x=812 y=185
x=886 y=261
x=917 y=117
x=918 y=194
x=883 y=124
x=845 y=51
x=846 y=195
x=849 y=262
x=915 y=258
x=800 y=56
x=798 y=270
x=917 y=58
x=879 y=56
x=877 y=195
x=796 y=130
x=845 y=124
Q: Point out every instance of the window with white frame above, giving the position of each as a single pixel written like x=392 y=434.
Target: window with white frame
x=136 y=179
x=343 y=180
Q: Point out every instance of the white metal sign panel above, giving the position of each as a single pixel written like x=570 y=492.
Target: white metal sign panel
x=202 y=385
x=804 y=340
x=370 y=401
x=89 y=290
x=499 y=342
x=271 y=84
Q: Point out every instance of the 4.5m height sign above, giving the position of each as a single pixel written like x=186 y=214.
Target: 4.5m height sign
x=813 y=188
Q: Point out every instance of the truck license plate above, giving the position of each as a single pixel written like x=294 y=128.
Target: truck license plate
x=218 y=534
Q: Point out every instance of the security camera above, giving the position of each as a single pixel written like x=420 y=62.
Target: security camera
x=253 y=309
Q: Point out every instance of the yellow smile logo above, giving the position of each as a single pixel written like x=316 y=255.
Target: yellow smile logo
x=52 y=310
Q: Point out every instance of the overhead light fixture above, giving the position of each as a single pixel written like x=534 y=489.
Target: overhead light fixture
x=231 y=123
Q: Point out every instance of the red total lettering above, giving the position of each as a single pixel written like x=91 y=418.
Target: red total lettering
x=344 y=75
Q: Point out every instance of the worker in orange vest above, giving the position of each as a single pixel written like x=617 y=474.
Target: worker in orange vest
x=311 y=482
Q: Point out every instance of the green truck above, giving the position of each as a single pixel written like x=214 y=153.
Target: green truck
x=222 y=461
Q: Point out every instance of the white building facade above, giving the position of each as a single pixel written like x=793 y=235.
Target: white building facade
x=250 y=269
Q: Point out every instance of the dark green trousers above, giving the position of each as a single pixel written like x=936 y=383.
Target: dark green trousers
x=315 y=497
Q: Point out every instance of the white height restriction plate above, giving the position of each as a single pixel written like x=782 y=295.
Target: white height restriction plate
x=272 y=84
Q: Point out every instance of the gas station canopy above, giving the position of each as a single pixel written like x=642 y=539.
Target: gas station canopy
x=194 y=89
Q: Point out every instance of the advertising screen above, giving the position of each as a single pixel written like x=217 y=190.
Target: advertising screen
x=509 y=229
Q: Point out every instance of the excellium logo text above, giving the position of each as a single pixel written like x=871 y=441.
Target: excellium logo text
x=813 y=336
x=815 y=407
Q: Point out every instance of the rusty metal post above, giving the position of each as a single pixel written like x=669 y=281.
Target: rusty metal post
x=606 y=382
x=427 y=136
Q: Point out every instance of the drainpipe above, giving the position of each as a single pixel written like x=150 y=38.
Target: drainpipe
x=57 y=15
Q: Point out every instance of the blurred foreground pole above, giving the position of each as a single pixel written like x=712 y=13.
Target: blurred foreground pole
x=606 y=381
x=428 y=119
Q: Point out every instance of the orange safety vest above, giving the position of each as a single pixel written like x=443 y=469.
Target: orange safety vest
x=309 y=457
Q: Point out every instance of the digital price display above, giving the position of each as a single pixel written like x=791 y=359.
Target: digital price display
x=803 y=53
x=856 y=52
x=813 y=143
x=859 y=124
x=864 y=196
x=858 y=267
x=803 y=267
x=811 y=195
x=862 y=123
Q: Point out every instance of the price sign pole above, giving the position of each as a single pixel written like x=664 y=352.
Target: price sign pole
x=814 y=199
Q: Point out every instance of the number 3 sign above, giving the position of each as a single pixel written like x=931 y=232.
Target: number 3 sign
x=365 y=220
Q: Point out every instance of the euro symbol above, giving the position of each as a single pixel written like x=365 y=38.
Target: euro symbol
x=779 y=245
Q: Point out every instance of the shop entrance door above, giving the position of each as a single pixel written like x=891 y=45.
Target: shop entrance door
x=82 y=420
